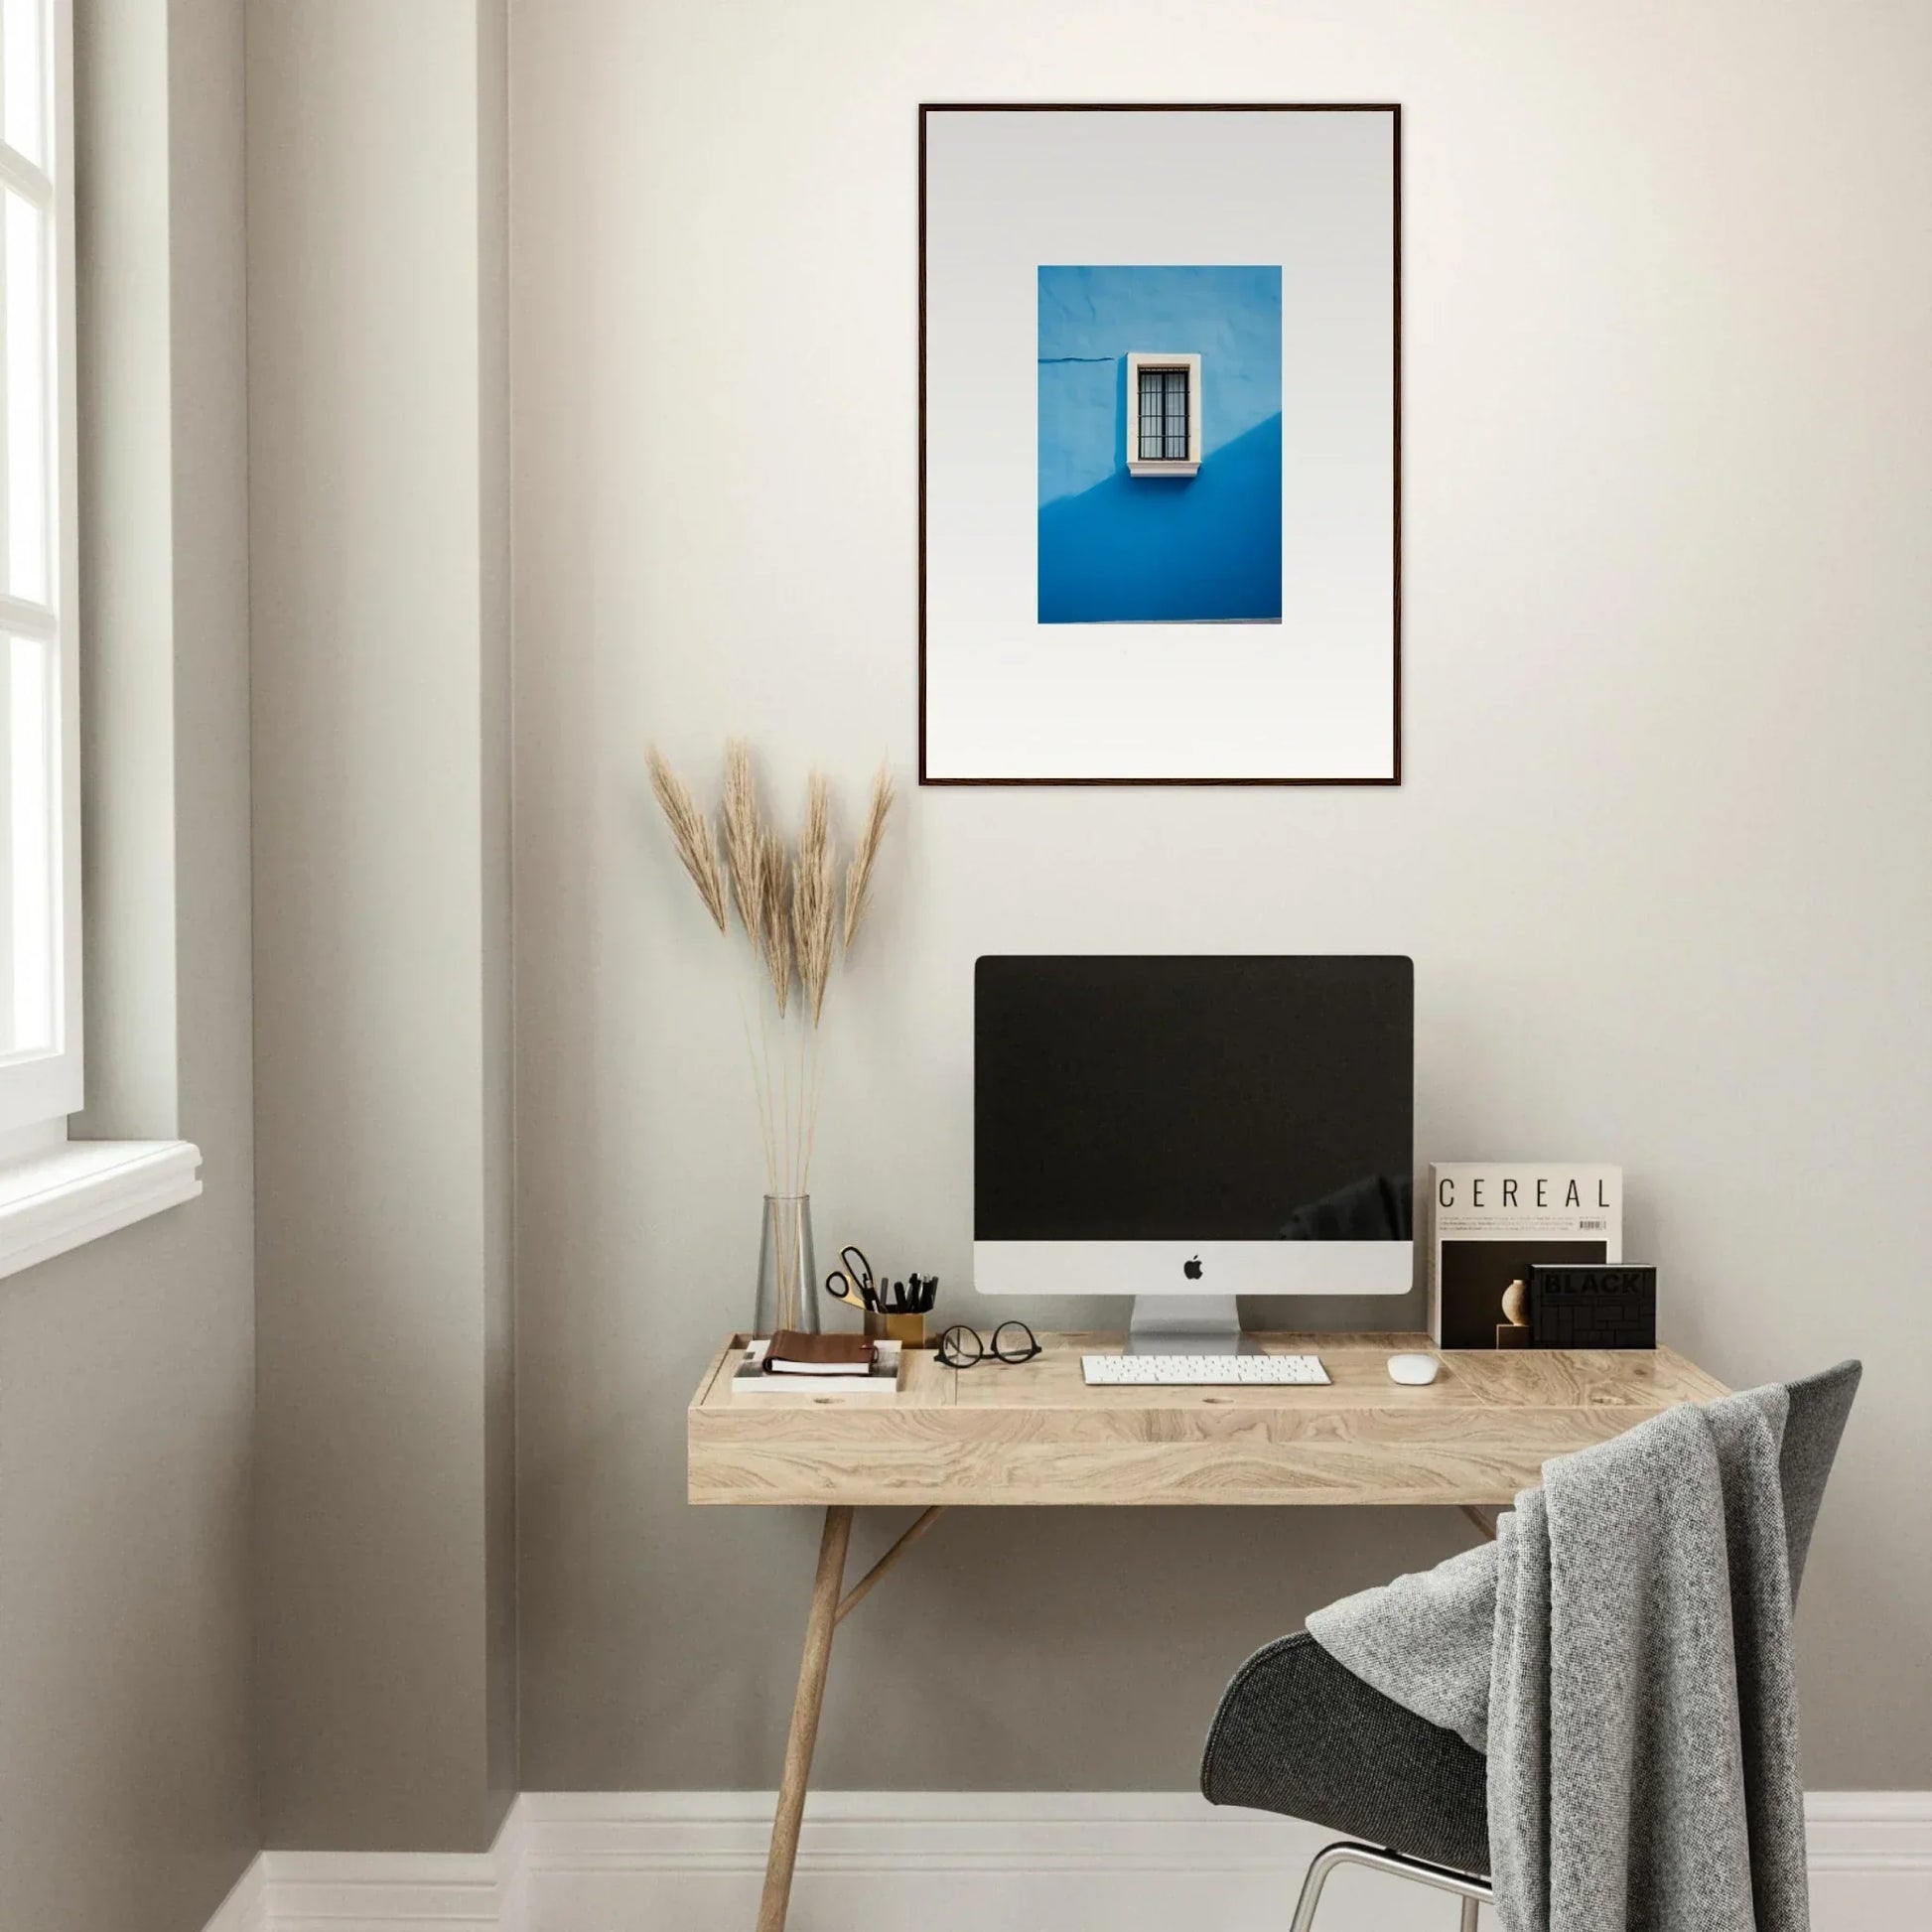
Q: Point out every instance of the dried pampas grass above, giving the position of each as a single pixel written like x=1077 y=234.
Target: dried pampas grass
x=788 y=904
x=857 y=875
x=775 y=916
x=691 y=834
x=743 y=838
x=814 y=896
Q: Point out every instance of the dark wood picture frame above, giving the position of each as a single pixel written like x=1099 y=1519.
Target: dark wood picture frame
x=1390 y=108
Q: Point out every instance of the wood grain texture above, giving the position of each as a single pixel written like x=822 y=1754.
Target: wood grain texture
x=1034 y=1433
x=800 y=1742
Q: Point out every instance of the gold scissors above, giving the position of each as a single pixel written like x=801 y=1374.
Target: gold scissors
x=852 y=1281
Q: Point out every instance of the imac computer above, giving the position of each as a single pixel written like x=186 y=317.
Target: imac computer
x=1187 y=1129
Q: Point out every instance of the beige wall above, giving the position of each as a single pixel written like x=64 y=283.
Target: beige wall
x=377 y=495
x=1660 y=856
x=126 y=1764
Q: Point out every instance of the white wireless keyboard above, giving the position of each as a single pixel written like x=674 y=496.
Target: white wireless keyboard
x=1201 y=1371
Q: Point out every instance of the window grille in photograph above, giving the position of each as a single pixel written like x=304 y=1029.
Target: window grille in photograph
x=1164 y=415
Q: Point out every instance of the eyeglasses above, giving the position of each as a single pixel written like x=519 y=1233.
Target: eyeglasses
x=1013 y=1342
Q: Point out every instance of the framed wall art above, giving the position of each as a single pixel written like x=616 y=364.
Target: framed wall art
x=1159 y=445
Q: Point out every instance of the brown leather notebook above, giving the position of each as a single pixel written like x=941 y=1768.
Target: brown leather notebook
x=793 y=1353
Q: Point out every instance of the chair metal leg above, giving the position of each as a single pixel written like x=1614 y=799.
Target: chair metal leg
x=1324 y=1863
x=1472 y=1891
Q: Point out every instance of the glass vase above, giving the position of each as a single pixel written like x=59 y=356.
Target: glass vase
x=787 y=1273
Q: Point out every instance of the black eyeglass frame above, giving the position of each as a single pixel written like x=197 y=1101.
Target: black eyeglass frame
x=949 y=1356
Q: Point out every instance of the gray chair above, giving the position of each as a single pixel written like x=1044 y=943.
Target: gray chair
x=1299 y=1733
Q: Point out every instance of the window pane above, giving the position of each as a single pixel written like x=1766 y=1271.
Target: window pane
x=1178 y=414
x=23 y=62
x=27 y=848
x=28 y=481
x=1161 y=408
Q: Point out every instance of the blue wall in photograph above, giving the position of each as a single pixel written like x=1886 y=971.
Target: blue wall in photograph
x=1116 y=548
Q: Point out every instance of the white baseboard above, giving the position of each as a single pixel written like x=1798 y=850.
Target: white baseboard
x=954 y=1861
x=245 y=1910
x=1869 y=1856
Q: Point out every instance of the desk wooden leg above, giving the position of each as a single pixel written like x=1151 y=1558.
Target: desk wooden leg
x=859 y=1592
x=819 y=1623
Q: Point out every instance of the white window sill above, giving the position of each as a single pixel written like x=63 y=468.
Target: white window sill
x=79 y=1191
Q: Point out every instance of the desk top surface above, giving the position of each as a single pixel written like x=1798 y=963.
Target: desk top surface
x=1034 y=1433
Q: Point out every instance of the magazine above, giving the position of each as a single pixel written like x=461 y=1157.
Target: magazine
x=1489 y=1219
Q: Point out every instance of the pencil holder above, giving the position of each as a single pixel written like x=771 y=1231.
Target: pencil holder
x=909 y=1329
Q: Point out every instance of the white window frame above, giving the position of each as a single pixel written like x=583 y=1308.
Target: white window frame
x=55 y=1193
x=1138 y=465
x=39 y=1088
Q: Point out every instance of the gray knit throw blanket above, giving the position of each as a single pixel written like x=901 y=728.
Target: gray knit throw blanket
x=1622 y=1652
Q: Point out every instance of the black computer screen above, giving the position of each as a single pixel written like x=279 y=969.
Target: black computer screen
x=1230 y=1098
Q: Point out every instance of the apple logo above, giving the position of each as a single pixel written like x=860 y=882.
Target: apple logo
x=1192 y=1269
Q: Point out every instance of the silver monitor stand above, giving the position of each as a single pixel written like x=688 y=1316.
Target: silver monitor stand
x=1186 y=1325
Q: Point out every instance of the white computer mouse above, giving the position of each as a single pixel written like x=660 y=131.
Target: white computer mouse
x=1415 y=1370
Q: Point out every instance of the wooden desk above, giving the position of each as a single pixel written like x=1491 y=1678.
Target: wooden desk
x=1034 y=1433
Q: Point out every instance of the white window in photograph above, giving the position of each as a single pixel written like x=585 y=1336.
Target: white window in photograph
x=40 y=925
x=1164 y=415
